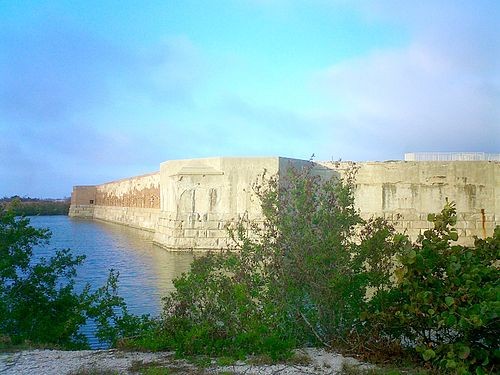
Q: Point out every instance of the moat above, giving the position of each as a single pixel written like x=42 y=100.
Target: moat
x=146 y=271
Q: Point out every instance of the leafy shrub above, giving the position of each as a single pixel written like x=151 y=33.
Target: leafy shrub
x=38 y=303
x=447 y=300
x=326 y=257
x=300 y=277
x=220 y=308
x=315 y=273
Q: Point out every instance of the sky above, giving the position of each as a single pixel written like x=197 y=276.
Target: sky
x=93 y=91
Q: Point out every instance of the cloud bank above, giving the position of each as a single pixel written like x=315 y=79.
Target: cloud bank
x=439 y=93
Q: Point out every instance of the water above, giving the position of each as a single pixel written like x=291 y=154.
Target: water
x=146 y=270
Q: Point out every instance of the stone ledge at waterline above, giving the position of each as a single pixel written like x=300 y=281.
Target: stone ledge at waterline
x=188 y=203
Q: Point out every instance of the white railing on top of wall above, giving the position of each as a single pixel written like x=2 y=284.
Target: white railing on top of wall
x=451 y=156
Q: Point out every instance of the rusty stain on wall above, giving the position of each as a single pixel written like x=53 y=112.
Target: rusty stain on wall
x=144 y=198
x=138 y=192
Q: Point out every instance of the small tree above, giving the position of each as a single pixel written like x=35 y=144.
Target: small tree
x=38 y=303
x=300 y=277
x=326 y=259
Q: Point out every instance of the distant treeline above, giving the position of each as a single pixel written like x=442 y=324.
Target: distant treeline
x=34 y=206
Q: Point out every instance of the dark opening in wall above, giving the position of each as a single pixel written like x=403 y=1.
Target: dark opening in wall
x=91 y=201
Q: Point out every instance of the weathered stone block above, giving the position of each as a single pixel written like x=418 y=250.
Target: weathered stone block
x=217 y=233
x=208 y=243
x=190 y=233
x=420 y=224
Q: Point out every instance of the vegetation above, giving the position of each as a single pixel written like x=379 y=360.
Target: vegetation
x=315 y=273
x=38 y=302
x=447 y=298
x=312 y=273
x=150 y=368
x=33 y=206
x=299 y=278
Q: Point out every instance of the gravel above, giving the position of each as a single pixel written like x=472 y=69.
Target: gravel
x=57 y=362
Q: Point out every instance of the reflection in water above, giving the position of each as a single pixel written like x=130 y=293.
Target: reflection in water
x=146 y=271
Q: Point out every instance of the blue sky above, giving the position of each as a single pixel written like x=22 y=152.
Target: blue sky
x=92 y=91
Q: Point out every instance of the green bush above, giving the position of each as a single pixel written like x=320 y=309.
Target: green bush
x=299 y=278
x=219 y=308
x=38 y=303
x=447 y=301
x=325 y=257
x=315 y=273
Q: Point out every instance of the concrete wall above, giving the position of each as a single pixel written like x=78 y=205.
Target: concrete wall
x=200 y=197
x=136 y=217
x=406 y=192
x=82 y=201
x=140 y=191
x=189 y=202
x=133 y=201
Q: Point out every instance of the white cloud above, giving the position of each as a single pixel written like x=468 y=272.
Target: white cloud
x=440 y=92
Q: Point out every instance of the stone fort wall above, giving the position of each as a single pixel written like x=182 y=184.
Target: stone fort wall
x=188 y=203
x=132 y=201
x=406 y=192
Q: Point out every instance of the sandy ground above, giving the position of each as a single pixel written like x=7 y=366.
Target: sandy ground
x=56 y=362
